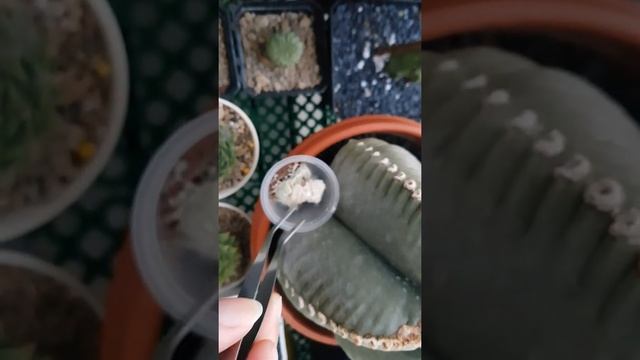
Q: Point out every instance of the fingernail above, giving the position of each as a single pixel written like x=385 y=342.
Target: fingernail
x=238 y=312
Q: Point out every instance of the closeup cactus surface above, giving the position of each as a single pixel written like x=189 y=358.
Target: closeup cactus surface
x=27 y=107
x=533 y=224
x=359 y=274
x=284 y=48
x=230 y=257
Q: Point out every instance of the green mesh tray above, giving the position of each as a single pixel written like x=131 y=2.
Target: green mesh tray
x=282 y=123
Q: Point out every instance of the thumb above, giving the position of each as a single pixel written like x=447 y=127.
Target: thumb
x=236 y=316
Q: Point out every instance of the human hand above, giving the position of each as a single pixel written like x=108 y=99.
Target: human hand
x=237 y=316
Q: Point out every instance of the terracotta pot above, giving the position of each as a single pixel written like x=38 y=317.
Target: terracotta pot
x=315 y=145
x=602 y=19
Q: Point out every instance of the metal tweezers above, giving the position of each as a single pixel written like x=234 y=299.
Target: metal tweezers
x=253 y=288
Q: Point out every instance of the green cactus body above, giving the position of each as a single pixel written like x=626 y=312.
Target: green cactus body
x=230 y=258
x=284 y=48
x=405 y=66
x=26 y=95
x=533 y=193
x=226 y=152
x=359 y=274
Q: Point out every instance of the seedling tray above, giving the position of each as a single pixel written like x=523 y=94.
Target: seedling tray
x=357 y=29
x=276 y=7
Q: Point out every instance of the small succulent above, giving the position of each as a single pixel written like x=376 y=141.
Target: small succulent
x=230 y=257
x=533 y=220
x=284 y=48
x=27 y=107
x=405 y=66
x=359 y=274
x=226 y=151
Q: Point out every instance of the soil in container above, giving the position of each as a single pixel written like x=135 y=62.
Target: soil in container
x=360 y=83
x=41 y=315
x=236 y=151
x=63 y=91
x=237 y=230
x=261 y=74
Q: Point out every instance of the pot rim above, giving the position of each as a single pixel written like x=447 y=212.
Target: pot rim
x=314 y=145
x=604 y=19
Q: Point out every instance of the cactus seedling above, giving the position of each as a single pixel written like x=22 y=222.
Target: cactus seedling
x=405 y=66
x=359 y=274
x=533 y=192
x=226 y=151
x=284 y=48
x=230 y=257
x=26 y=105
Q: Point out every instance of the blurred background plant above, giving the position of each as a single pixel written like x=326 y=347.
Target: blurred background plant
x=226 y=151
x=230 y=257
x=27 y=107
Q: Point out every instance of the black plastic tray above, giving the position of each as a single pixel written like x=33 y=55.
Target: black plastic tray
x=270 y=7
x=387 y=96
x=229 y=39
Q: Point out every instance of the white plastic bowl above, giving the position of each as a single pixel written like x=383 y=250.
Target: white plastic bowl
x=40 y=267
x=23 y=220
x=256 y=150
x=177 y=281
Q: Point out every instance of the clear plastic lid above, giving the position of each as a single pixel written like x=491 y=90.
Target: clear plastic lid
x=314 y=214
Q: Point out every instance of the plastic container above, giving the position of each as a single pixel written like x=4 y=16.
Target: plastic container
x=232 y=289
x=324 y=145
x=176 y=279
x=256 y=150
x=26 y=219
x=314 y=214
x=234 y=79
x=277 y=7
x=28 y=262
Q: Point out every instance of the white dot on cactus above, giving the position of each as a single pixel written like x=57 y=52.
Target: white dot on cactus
x=499 y=97
x=551 y=144
x=370 y=148
x=322 y=319
x=376 y=153
x=527 y=122
x=300 y=302
x=449 y=65
x=312 y=310
x=385 y=161
x=417 y=195
x=401 y=176
x=475 y=82
x=393 y=168
x=410 y=185
x=360 y=143
x=606 y=195
x=627 y=224
x=576 y=169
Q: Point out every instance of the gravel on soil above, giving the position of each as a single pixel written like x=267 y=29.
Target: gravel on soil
x=360 y=86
